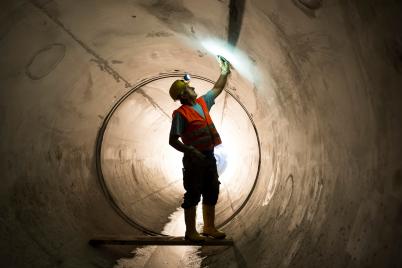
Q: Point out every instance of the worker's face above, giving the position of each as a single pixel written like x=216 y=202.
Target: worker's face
x=189 y=92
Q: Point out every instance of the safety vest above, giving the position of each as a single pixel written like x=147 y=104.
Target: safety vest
x=199 y=132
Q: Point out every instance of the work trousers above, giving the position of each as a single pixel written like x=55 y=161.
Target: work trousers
x=200 y=177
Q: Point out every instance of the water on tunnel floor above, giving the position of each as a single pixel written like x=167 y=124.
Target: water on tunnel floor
x=167 y=256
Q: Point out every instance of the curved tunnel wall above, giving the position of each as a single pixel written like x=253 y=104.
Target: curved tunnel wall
x=326 y=109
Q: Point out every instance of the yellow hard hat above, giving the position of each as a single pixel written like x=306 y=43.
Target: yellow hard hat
x=177 y=88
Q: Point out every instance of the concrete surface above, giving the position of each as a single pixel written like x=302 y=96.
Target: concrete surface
x=326 y=106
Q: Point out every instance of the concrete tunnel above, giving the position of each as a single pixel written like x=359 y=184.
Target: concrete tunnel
x=310 y=163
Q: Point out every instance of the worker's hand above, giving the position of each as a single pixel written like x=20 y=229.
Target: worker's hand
x=225 y=65
x=195 y=153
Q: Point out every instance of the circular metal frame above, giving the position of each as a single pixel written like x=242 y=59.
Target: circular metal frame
x=101 y=132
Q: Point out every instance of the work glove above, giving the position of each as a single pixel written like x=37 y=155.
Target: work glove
x=225 y=65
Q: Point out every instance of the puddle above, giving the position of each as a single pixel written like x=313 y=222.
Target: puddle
x=167 y=256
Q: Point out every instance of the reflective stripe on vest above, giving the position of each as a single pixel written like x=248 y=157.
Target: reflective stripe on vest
x=199 y=132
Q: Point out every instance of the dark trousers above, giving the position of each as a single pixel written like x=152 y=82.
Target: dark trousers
x=200 y=177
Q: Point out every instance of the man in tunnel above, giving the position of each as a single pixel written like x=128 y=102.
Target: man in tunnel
x=193 y=124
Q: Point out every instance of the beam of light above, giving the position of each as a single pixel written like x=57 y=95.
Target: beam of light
x=238 y=59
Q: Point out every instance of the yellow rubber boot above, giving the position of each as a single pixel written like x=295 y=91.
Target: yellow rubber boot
x=208 y=213
x=191 y=231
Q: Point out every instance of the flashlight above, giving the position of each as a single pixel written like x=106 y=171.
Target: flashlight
x=222 y=60
x=238 y=60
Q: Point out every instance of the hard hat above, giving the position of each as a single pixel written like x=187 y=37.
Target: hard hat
x=177 y=88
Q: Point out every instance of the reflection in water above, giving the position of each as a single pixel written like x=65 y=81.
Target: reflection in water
x=167 y=256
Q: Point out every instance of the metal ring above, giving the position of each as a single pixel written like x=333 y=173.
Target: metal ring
x=101 y=132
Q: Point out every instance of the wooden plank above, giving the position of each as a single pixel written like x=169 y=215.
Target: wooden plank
x=157 y=240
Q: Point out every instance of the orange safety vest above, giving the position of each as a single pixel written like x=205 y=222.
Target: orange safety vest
x=199 y=132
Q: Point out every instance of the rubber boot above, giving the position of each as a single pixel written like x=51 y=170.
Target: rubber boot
x=208 y=213
x=191 y=231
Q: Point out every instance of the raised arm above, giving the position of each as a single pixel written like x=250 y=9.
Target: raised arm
x=220 y=84
x=223 y=78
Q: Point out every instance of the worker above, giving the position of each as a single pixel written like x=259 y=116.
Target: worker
x=193 y=125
